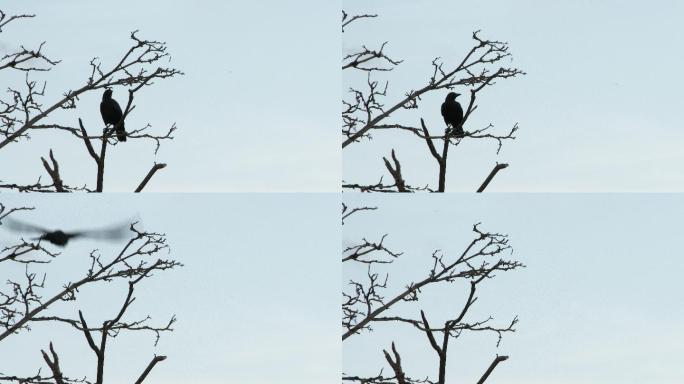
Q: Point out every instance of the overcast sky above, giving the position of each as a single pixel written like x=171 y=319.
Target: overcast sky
x=262 y=86
x=255 y=300
x=255 y=110
x=598 y=108
x=598 y=301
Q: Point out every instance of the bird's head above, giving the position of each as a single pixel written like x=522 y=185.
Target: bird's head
x=107 y=94
x=452 y=96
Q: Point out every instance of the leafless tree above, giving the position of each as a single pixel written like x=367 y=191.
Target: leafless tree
x=27 y=301
x=364 y=110
x=23 y=112
x=366 y=302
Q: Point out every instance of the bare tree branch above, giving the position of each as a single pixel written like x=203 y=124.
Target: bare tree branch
x=149 y=175
x=53 y=172
x=22 y=308
x=491 y=368
x=23 y=303
x=365 y=111
x=149 y=368
x=53 y=364
x=23 y=111
x=346 y=19
x=365 y=303
x=362 y=252
x=489 y=178
x=395 y=364
x=395 y=172
x=346 y=212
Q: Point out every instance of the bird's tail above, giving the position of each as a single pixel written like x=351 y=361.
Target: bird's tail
x=121 y=132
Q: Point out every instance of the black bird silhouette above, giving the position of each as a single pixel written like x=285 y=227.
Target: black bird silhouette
x=112 y=114
x=453 y=113
x=61 y=238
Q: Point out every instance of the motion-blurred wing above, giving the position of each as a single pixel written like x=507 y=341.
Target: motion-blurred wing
x=117 y=232
x=18 y=226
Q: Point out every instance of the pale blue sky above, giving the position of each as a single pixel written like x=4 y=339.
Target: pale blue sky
x=598 y=301
x=598 y=108
x=255 y=110
x=255 y=300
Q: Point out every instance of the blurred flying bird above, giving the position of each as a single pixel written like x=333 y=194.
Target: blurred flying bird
x=112 y=114
x=61 y=238
x=453 y=113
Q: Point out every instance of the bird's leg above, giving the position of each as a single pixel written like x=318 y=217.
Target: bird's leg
x=108 y=131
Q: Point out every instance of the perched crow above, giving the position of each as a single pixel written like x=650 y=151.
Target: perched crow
x=61 y=238
x=453 y=113
x=111 y=114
